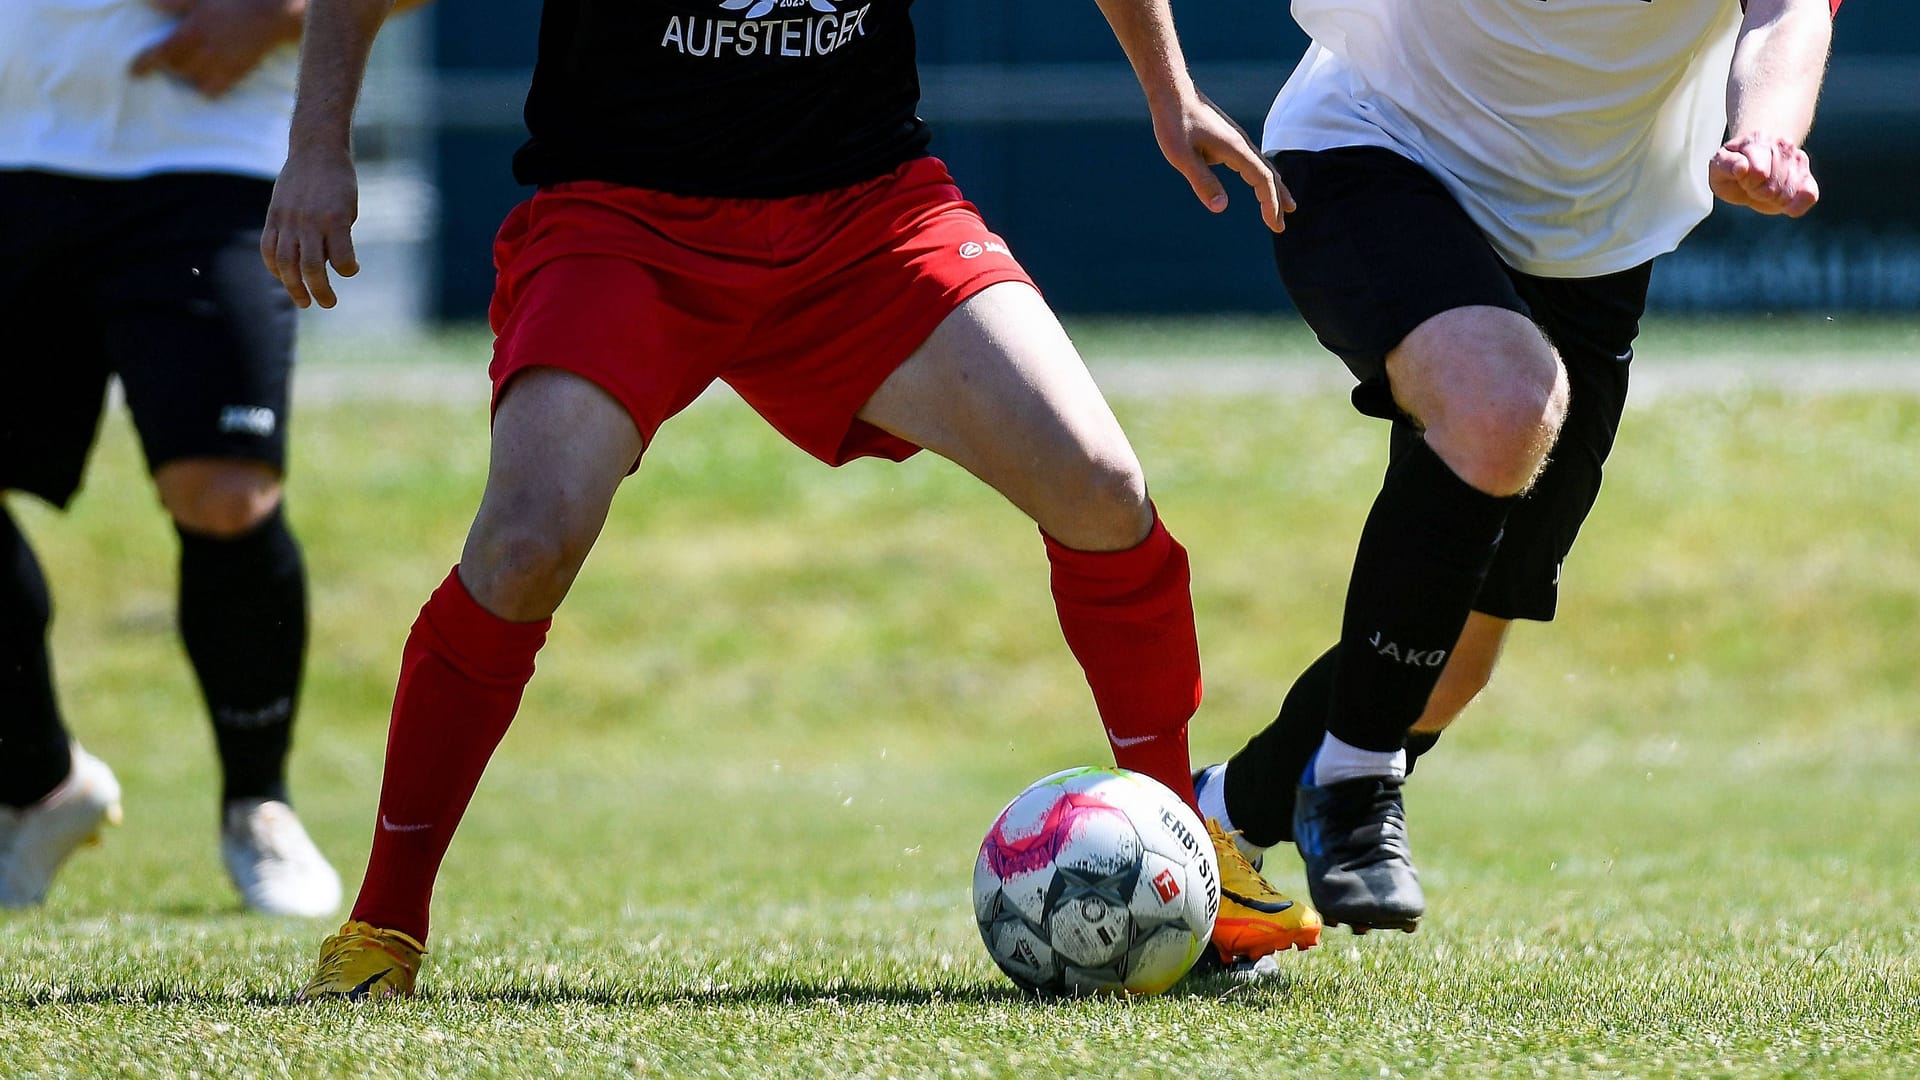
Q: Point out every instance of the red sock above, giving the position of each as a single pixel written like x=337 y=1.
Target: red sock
x=1128 y=617
x=461 y=677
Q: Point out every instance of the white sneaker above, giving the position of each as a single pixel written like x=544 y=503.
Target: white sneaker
x=273 y=863
x=35 y=840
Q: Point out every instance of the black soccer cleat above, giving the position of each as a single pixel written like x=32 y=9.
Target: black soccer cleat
x=1353 y=837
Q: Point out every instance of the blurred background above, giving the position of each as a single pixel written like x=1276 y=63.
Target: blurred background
x=1034 y=108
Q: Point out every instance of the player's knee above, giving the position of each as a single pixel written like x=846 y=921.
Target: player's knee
x=218 y=499
x=1103 y=507
x=520 y=569
x=1514 y=431
x=1499 y=441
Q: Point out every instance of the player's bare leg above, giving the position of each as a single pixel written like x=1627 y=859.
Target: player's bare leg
x=1468 y=670
x=561 y=446
x=1000 y=390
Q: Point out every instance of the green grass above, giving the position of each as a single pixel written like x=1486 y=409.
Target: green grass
x=731 y=831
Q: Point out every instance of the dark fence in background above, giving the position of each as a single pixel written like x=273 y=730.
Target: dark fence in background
x=1036 y=112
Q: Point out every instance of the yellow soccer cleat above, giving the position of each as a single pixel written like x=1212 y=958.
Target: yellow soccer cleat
x=1255 y=918
x=362 y=962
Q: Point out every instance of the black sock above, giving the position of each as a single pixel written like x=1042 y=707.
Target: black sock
x=1261 y=778
x=34 y=752
x=243 y=617
x=1423 y=555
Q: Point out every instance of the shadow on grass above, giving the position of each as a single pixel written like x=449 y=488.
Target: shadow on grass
x=793 y=993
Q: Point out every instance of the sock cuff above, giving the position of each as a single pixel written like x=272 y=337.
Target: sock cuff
x=266 y=544
x=1112 y=575
x=1453 y=516
x=479 y=643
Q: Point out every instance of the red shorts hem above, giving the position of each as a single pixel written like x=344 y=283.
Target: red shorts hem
x=805 y=306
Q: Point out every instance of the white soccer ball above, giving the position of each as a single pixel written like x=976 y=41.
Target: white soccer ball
x=1096 y=879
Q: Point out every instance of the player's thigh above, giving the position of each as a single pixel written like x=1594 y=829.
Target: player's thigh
x=999 y=389
x=201 y=336
x=561 y=445
x=53 y=361
x=1377 y=248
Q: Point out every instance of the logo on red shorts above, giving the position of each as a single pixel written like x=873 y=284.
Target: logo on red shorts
x=973 y=250
x=1166 y=886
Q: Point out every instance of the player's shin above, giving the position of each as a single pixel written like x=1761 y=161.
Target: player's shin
x=462 y=674
x=1128 y=618
x=1423 y=555
x=243 y=619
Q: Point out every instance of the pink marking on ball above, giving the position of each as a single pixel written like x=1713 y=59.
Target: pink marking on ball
x=1008 y=857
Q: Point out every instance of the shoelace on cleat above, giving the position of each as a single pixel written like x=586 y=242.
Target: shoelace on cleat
x=1243 y=869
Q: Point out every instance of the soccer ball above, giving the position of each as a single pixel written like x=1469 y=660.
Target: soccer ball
x=1096 y=879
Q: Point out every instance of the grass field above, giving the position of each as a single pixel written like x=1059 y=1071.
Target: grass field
x=731 y=831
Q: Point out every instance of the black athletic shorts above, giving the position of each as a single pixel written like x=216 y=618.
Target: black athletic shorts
x=1378 y=247
x=157 y=281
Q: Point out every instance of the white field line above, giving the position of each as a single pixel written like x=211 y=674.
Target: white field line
x=1890 y=374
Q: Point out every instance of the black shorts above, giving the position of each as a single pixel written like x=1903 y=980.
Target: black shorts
x=157 y=281
x=1378 y=247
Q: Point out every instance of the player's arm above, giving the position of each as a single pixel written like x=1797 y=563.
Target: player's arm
x=216 y=43
x=317 y=198
x=1778 y=65
x=1193 y=134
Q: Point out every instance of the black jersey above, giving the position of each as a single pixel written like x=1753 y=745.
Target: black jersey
x=734 y=98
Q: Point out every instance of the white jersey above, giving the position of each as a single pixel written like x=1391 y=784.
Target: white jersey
x=1575 y=133
x=68 y=103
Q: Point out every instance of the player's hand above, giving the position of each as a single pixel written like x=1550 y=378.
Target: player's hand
x=1196 y=135
x=310 y=224
x=217 y=43
x=1763 y=173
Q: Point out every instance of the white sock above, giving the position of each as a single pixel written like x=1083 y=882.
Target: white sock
x=1337 y=761
x=1212 y=790
x=1213 y=795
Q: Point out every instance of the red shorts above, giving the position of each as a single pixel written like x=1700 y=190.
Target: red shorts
x=803 y=305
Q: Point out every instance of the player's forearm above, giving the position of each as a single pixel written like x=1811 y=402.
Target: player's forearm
x=333 y=61
x=1144 y=29
x=1777 y=68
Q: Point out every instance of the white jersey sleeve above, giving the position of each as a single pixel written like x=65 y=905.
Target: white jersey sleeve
x=69 y=104
x=1575 y=133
